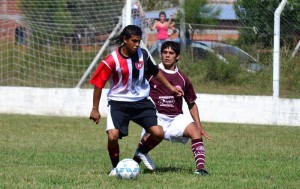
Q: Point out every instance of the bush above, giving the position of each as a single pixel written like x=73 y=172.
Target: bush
x=222 y=72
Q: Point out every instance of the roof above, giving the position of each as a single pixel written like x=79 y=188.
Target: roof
x=226 y=12
x=155 y=13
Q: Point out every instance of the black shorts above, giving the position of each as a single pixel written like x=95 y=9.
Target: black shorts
x=119 y=114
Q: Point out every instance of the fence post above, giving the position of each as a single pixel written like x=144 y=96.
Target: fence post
x=182 y=26
x=276 y=51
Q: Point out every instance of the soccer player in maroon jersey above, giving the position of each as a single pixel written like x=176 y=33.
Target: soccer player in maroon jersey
x=177 y=126
x=128 y=98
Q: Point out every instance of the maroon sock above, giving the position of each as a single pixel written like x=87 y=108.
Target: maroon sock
x=148 y=144
x=136 y=158
x=114 y=152
x=199 y=153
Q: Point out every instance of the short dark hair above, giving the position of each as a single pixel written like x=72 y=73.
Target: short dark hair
x=127 y=32
x=175 y=46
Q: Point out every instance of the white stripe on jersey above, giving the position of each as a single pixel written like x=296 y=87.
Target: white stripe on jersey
x=129 y=83
x=132 y=92
x=120 y=84
x=141 y=73
x=106 y=64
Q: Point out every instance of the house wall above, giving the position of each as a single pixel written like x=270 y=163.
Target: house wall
x=10 y=18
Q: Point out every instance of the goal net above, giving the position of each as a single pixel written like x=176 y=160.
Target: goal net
x=51 y=43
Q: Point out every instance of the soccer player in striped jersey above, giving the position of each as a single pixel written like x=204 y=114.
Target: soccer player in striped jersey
x=128 y=97
x=177 y=126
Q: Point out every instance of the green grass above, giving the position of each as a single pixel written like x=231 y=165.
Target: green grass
x=67 y=152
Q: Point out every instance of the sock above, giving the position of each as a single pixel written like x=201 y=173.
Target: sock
x=136 y=158
x=148 y=144
x=114 y=152
x=199 y=153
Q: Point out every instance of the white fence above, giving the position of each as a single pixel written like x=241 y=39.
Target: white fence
x=264 y=110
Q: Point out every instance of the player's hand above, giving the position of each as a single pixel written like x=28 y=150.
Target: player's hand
x=178 y=91
x=95 y=116
x=203 y=133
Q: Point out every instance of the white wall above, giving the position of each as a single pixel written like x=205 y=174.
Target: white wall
x=213 y=108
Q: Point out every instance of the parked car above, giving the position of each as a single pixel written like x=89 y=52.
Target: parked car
x=223 y=50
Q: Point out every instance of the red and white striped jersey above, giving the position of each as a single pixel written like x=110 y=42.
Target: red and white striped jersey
x=125 y=75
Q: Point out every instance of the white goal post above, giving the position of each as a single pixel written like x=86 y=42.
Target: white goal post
x=124 y=20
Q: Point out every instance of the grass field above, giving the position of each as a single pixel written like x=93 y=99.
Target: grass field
x=66 y=152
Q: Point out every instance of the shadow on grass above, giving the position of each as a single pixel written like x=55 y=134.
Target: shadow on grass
x=167 y=169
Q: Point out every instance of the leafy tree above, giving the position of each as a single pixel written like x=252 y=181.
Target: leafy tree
x=257 y=17
x=196 y=11
x=199 y=12
x=149 y=5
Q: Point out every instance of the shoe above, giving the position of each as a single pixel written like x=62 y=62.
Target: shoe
x=146 y=160
x=113 y=173
x=202 y=172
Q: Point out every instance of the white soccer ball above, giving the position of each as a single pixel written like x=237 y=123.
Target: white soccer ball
x=128 y=169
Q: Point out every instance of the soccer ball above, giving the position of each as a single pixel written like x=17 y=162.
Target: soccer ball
x=128 y=169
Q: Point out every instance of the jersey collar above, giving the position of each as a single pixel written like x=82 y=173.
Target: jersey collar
x=161 y=66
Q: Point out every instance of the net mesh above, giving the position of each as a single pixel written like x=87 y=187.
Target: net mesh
x=50 y=43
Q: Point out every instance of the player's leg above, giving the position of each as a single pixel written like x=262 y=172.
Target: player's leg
x=147 y=143
x=113 y=149
x=146 y=117
x=197 y=146
x=116 y=128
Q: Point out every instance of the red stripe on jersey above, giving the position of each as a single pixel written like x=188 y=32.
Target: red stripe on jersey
x=101 y=75
x=124 y=69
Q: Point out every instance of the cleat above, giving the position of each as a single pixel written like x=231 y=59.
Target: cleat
x=202 y=172
x=146 y=160
x=113 y=173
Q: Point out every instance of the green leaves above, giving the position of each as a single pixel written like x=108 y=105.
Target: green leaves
x=257 y=19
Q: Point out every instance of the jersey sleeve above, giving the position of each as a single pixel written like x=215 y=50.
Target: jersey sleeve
x=189 y=92
x=151 y=68
x=102 y=72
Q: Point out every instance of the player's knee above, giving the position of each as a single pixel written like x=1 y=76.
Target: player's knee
x=192 y=131
x=113 y=135
x=157 y=132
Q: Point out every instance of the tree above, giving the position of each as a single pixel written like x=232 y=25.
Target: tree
x=159 y=4
x=200 y=12
x=257 y=19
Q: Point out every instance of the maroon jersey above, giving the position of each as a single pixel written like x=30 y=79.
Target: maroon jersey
x=166 y=102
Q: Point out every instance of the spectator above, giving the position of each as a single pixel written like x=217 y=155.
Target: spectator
x=137 y=14
x=162 y=26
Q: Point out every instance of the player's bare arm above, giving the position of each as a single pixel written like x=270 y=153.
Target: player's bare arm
x=95 y=114
x=193 y=108
x=163 y=80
